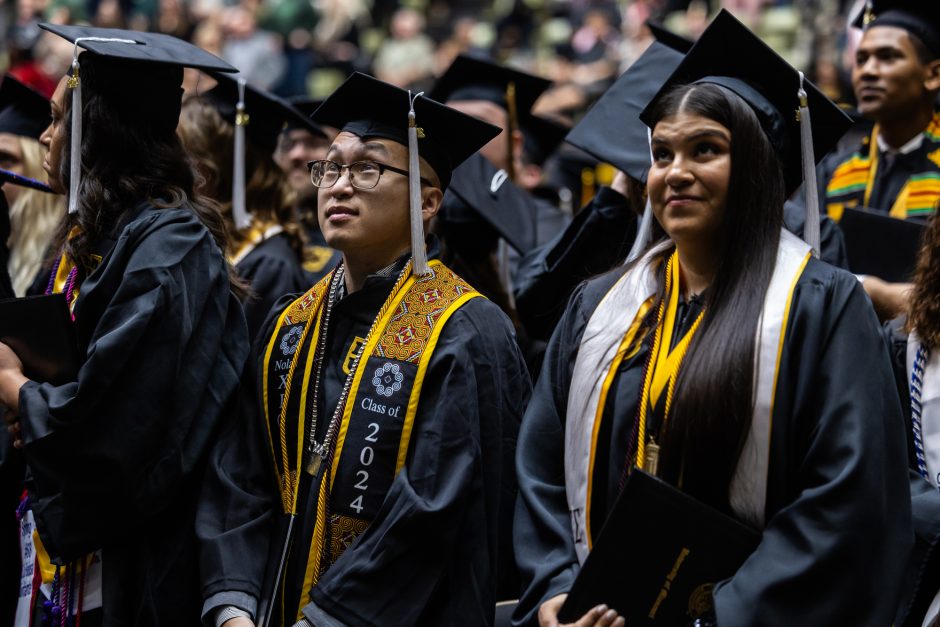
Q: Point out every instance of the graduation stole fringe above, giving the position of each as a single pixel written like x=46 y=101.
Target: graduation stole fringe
x=853 y=181
x=374 y=435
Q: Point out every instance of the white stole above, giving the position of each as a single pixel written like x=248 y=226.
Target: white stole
x=599 y=344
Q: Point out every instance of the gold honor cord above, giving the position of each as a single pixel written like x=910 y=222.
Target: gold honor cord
x=664 y=364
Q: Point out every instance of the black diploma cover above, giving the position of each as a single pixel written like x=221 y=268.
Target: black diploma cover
x=881 y=245
x=40 y=331
x=658 y=557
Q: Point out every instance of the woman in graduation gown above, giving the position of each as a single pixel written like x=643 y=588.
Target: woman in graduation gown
x=914 y=346
x=656 y=366
x=267 y=246
x=114 y=457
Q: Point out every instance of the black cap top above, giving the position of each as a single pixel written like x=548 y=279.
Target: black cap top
x=479 y=190
x=612 y=131
x=267 y=113
x=23 y=112
x=918 y=17
x=306 y=106
x=368 y=107
x=730 y=55
x=471 y=78
x=148 y=48
x=665 y=36
x=541 y=137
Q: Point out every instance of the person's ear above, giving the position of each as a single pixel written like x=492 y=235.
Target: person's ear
x=431 y=200
x=932 y=76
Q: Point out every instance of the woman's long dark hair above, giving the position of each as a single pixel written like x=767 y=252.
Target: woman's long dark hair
x=713 y=402
x=130 y=155
x=925 y=301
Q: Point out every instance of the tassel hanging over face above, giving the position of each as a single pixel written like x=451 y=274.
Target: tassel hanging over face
x=811 y=227
x=418 y=252
x=240 y=213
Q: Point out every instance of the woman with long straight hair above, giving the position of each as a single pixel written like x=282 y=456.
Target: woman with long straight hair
x=728 y=362
x=114 y=457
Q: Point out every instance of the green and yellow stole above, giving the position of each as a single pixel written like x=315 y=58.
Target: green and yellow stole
x=852 y=182
x=377 y=421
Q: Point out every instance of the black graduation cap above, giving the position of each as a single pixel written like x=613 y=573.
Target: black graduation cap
x=612 y=131
x=147 y=48
x=471 y=78
x=482 y=190
x=23 y=111
x=918 y=17
x=306 y=106
x=665 y=36
x=267 y=113
x=730 y=55
x=541 y=137
x=368 y=107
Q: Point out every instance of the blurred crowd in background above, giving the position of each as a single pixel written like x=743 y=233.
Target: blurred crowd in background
x=307 y=47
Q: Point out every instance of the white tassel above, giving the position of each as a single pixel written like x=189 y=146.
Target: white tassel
x=810 y=190
x=240 y=213
x=75 y=84
x=75 y=164
x=644 y=231
x=419 y=255
x=505 y=274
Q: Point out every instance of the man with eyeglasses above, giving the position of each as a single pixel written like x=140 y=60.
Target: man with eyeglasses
x=388 y=398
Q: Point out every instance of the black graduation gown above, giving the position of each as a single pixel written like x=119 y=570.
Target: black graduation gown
x=923 y=576
x=839 y=528
x=11 y=472
x=115 y=458
x=273 y=270
x=598 y=237
x=429 y=556
x=831 y=240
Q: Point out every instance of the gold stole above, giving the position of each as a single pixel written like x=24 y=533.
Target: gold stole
x=393 y=366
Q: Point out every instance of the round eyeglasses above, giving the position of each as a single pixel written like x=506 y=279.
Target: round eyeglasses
x=362 y=174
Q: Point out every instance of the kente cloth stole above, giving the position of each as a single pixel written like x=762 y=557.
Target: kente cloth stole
x=375 y=432
x=611 y=331
x=853 y=181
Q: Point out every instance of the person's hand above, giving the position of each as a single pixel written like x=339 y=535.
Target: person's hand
x=890 y=299
x=238 y=621
x=621 y=184
x=600 y=616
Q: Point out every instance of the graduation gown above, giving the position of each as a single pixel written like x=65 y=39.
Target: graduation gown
x=838 y=527
x=273 y=270
x=429 y=555
x=115 y=458
x=860 y=176
x=922 y=580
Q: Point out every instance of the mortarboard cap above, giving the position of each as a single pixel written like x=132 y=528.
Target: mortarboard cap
x=731 y=56
x=443 y=137
x=267 y=113
x=471 y=78
x=368 y=107
x=479 y=189
x=918 y=17
x=140 y=73
x=306 y=106
x=23 y=112
x=665 y=36
x=611 y=131
x=541 y=137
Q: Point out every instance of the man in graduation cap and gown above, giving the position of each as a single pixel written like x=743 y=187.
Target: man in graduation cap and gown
x=382 y=398
x=896 y=169
x=821 y=466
